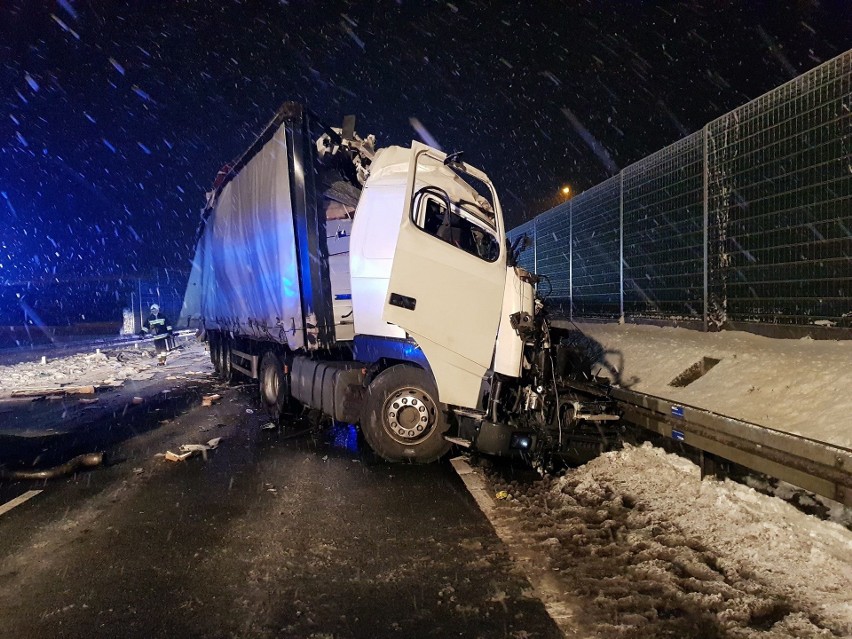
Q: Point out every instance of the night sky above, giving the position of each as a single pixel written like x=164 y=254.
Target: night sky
x=115 y=116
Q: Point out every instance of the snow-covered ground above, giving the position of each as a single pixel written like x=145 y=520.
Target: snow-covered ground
x=797 y=386
x=108 y=367
x=642 y=547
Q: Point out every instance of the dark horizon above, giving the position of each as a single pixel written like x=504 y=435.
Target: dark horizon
x=116 y=116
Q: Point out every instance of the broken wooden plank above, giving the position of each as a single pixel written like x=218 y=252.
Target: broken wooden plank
x=56 y=390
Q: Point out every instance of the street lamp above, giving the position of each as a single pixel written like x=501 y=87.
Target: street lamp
x=566 y=190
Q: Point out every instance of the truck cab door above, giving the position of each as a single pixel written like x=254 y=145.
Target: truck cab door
x=448 y=274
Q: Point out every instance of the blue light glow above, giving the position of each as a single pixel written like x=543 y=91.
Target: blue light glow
x=345 y=436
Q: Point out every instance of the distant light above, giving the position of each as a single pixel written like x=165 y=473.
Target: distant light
x=566 y=190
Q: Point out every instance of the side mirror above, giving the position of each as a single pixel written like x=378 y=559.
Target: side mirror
x=518 y=247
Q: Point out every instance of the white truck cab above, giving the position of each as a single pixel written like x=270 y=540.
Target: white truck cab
x=428 y=262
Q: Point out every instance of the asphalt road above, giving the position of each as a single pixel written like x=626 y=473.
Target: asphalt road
x=279 y=533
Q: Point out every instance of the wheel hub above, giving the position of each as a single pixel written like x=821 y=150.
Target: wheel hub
x=270 y=386
x=409 y=415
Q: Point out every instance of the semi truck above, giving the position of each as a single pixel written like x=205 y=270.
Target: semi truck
x=377 y=288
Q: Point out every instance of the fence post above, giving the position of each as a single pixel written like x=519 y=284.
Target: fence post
x=706 y=217
x=570 y=260
x=535 y=243
x=621 y=247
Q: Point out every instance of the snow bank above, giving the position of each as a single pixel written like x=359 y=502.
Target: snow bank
x=99 y=368
x=797 y=386
x=653 y=550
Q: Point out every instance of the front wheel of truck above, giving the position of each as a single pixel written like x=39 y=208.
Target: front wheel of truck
x=402 y=419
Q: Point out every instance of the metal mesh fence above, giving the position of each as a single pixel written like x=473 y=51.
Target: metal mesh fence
x=780 y=196
x=664 y=232
x=747 y=221
x=595 y=250
x=553 y=254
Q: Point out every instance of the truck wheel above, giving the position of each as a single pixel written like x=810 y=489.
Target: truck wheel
x=226 y=373
x=274 y=386
x=215 y=355
x=402 y=419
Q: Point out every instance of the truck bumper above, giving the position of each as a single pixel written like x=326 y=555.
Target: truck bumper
x=500 y=440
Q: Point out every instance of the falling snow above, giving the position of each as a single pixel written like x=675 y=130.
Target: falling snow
x=119 y=116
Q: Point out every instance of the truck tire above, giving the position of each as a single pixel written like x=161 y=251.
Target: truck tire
x=215 y=354
x=402 y=419
x=274 y=386
x=226 y=372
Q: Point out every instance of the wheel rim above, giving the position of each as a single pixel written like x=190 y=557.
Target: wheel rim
x=226 y=360
x=409 y=415
x=271 y=386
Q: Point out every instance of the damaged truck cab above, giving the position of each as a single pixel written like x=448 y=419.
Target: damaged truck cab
x=376 y=287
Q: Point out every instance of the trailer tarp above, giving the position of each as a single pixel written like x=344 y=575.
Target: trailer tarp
x=246 y=275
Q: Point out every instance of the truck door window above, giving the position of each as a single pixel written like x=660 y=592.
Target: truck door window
x=457 y=228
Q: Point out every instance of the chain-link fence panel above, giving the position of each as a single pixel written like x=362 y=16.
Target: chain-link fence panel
x=747 y=221
x=596 y=250
x=553 y=255
x=664 y=232
x=780 y=202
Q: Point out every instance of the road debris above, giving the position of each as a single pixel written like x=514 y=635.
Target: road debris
x=174 y=457
x=55 y=390
x=209 y=400
x=501 y=494
x=269 y=426
x=88 y=460
x=137 y=400
x=188 y=450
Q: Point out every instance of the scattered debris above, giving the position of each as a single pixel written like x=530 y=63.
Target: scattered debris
x=188 y=450
x=88 y=460
x=209 y=400
x=58 y=390
x=269 y=426
x=501 y=494
x=249 y=411
x=174 y=457
x=88 y=400
x=138 y=471
x=137 y=400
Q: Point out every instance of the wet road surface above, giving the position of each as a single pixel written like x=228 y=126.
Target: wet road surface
x=276 y=534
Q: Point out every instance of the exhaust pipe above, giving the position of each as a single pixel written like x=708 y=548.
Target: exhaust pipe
x=88 y=460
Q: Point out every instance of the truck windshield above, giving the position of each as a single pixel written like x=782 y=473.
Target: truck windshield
x=462 y=227
x=479 y=200
x=462 y=184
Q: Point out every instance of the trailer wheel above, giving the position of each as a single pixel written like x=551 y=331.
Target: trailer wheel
x=274 y=386
x=226 y=372
x=402 y=419
x=215 y=356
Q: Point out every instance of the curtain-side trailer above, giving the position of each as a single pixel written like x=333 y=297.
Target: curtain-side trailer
x=377 y=287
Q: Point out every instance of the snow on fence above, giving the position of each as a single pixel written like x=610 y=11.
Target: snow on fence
x=748 y=220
